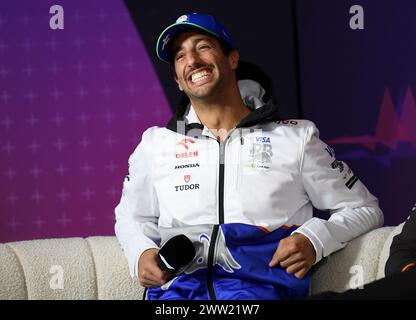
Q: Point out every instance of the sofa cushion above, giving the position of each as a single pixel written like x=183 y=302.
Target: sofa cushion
x=113 y=278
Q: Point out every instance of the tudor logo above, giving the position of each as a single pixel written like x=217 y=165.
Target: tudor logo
x=186 y=187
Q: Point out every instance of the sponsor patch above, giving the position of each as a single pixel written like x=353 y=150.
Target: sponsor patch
x=187 y=166
x=186 y=187
x=182 y=18
x=186 y=143
x=338 y=164
x=184 y=155
x=292 y=122
x=330 y=151
x=260 y=155
x=350 y=183
x=263 y=139
x=165 y=41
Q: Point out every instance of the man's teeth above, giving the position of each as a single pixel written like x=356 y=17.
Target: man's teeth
x=200 y=75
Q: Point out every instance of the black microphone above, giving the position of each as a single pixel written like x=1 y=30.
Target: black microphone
x=175 y=254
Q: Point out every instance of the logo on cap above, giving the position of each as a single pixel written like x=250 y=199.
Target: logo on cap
x=182 y=18
x=165 y=41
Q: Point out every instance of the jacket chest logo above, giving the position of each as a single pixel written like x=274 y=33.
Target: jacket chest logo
x=261 y=153
x=184 y=149
x=263 y=139
x=187 y=186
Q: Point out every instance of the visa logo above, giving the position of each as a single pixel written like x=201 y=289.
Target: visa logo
x=263 y=139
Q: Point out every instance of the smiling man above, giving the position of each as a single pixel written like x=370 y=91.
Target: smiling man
x=207 y=76
x=236 y=180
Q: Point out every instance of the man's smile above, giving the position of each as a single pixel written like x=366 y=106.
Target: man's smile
x=200 y=76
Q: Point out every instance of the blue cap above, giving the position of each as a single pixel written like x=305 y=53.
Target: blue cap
x=199 y=21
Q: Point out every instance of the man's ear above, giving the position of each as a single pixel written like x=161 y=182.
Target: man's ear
x=175 y=77
x=233 y=58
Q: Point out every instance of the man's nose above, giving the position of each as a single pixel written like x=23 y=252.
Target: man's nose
x=193 y=59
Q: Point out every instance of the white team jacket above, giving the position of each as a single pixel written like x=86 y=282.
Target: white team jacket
x=267 y=173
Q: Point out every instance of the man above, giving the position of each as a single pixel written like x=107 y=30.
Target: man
x=236 y=180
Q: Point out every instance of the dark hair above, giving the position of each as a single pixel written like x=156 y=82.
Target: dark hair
x=226 y=49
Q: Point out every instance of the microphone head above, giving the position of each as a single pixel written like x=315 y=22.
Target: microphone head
x=176 y=253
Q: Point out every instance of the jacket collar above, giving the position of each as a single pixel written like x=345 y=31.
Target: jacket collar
x=186 y=119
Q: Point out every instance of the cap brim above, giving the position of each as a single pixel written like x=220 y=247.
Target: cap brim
x=162 y=50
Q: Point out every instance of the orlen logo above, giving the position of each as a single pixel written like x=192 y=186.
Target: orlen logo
x=184 y=143
x=189 y=154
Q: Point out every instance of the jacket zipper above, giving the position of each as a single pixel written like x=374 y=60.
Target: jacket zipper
x=239 y=160
x=221 y=181
x=211 y=250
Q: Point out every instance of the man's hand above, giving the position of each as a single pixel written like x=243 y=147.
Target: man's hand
x=296 y=254
x=150 y=275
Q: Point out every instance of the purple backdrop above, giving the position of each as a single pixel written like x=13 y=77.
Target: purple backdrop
x=359 y=87
x=73 y=105
x=74 y=102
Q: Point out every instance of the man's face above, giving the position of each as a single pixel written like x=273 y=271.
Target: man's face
x=202 y=70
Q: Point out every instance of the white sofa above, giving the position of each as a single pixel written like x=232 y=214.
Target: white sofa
x=95 y=267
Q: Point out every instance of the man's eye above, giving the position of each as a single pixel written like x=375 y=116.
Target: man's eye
x=204 y=46
x=179 y=56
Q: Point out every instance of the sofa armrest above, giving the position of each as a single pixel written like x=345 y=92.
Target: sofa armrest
x=69 y=268
x=345 y=269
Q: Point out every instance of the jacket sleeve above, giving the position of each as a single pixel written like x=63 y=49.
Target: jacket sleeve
x=331 y=185
x=137 y=213
x=403 y=247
